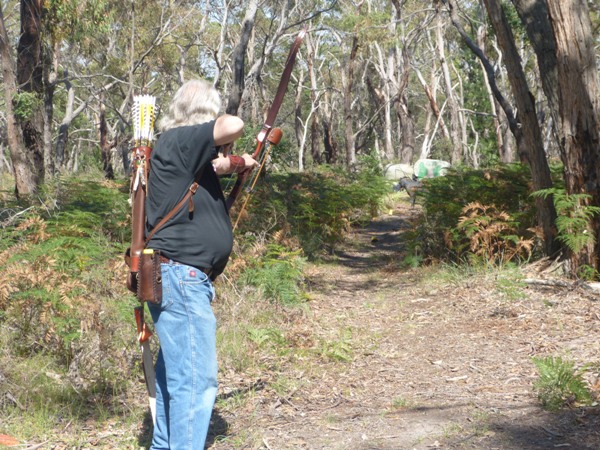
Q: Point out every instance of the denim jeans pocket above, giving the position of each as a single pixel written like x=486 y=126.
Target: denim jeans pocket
x=196 y=282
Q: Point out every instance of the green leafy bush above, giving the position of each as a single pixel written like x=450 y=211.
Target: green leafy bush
x=559 y=383
x=507 y=187
x=50 y=252
x=316 y=208
x=278 y=274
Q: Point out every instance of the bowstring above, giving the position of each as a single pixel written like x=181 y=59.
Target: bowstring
x=261 y=165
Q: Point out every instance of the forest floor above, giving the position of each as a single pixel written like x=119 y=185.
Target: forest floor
x=422 y=364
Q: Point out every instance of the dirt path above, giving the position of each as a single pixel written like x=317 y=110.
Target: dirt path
x=414 y=365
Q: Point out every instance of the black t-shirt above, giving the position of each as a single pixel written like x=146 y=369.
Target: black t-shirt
x=203 y=238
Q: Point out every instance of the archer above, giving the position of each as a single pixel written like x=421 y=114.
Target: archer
x=193 y=247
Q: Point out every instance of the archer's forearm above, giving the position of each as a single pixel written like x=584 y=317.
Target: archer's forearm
x=225 y=165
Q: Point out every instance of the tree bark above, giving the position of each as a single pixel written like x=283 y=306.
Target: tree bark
x=105 y=144
x=348 y=77
x=25 y=180
x=50 y=77
x=535 y=18
x=408 y=140
x=315 y=131
x=531 y=145
x=455 y=127
x=579 y=109
x=239 y=53
x=504 y=152
x=525 y=127
x=30 y=81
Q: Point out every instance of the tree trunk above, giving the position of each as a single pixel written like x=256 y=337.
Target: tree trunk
x=408 y=140
x=239 y=53
x=431 y=96
x=579 y=109
x=534 y=16
x=505 y=156
x=105 y=144
x=50 y=77
x=315 y=131
x=531 y=146
x=331 y=149
x=524 y=128
x=348 y=77
x=63 y=129
x=30 y=81
x=455 y=135
x=300 y=128
x=25 y=180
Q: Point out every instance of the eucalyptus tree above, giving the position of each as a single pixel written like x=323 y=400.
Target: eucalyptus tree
x=392 y=42
x=579 y=111
x=25 y=181
x=528 y=133
x=562 y=37
x=23 y=89
x=454 y=101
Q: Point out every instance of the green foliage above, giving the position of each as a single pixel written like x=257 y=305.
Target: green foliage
x=339 y=350
x=317 y=208
x=79 y=20
x=266 y=336
x=444 y=199
x=278 y=274
x=50 y=254
x=25 y=103
x=559 y=384
x=574 y=217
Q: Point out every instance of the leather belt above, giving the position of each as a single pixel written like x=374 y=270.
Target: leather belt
x=209 y=272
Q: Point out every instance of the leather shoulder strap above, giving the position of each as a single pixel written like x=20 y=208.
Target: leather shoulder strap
x=187 y=198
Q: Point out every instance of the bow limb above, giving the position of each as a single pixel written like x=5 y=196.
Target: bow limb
x=264 y=133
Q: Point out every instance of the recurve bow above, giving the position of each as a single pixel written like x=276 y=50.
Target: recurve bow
x=268 y=135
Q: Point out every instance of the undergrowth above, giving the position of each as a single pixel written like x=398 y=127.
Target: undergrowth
x=560 y=384
x=472 y=215
x=66 y=319
x=314 y=209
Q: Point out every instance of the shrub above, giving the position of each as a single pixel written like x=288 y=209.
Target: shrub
x=444 y=199
x=279 y=274
x=317 y=208
x=559 y=383
x=574 y=217
x=490 y=234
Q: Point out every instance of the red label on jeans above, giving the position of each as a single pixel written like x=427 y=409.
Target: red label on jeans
x=192 y=273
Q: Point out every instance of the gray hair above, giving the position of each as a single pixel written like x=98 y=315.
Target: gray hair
x=195 y=102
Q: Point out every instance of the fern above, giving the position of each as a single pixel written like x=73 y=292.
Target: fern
x=491 y=234
x=317 y=208
x=559 y=384
x=506 y=186
x=279 y=275
x=574 y=217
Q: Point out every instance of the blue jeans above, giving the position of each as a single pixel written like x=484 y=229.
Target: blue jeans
x=186 y=367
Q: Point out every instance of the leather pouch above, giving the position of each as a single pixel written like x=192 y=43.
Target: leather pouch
x=149 y=278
